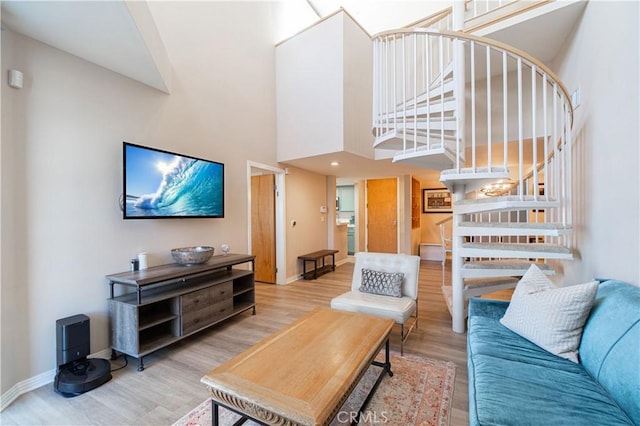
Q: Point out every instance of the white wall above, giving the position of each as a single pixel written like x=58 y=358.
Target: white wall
x=309 y=84
x=306 y=192
x=358 y=95
x=61 y=155
x=602 y=60
x=324 y=99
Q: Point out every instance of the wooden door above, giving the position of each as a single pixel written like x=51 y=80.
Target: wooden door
x=382 y=215
x=263 y=227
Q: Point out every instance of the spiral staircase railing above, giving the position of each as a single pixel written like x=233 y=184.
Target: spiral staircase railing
x=495 y=122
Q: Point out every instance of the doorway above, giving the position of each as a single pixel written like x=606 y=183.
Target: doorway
x=382 y=215
x=263 y=226
x=266 y=221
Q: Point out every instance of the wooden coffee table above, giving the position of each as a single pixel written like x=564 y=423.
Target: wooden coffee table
x=302 y=374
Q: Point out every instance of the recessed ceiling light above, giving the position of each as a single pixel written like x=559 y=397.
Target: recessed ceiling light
x=335 y=163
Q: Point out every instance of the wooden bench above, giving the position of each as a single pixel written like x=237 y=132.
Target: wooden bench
x=315 y=257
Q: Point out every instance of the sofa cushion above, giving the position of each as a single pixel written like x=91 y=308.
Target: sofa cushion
x=512 y=381
x=397 y=308
x=610 y=341
x=383 y=283
x=551 y=317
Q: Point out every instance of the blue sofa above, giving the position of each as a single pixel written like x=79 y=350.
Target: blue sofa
x=514 y=382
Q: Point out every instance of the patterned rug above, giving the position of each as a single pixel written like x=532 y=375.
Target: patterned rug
x=419 y=393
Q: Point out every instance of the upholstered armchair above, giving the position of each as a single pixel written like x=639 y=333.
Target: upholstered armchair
x=385 y=285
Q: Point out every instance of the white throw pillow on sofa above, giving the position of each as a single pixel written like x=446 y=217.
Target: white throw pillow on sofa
x=552 y=317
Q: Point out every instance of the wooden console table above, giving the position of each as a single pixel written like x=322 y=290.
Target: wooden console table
x=304 y=373
x=164 y=304
x=315 y=257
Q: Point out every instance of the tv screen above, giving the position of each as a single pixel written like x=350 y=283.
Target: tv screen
x=162 y=184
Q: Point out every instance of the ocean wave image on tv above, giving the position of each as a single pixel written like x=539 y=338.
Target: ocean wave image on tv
x=160 y=184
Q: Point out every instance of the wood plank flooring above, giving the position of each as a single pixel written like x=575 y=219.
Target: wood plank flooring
x=170 y=385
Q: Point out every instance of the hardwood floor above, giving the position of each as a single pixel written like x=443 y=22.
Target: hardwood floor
x=170 y=385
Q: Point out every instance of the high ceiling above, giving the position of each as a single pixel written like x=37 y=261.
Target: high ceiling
x=381 y=15
x=117 y=35
x=121 y=36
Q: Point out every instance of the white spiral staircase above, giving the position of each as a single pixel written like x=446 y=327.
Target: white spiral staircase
x=496 y=123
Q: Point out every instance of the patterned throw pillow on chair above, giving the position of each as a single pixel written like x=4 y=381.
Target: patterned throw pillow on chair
x=382 y=283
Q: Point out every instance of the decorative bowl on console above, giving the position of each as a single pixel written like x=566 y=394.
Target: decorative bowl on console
x=192 y=255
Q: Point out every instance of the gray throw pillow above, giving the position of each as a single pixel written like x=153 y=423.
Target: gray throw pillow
x=383 y=283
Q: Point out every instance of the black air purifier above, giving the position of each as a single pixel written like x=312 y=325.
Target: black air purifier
x=77 y=374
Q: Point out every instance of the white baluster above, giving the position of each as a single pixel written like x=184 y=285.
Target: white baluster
x=545 y=112
x=520 y=136
x=534 y=140
x=404 y=96
x=473 y=105
x=415 y=92
x=489 y=139
x=441 y=45
x=505 y=110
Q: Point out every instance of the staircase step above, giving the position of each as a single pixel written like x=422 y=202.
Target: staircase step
x=504 y=229
x=515 y=251
x=438 y=158
x=503 y=203
x=477 y=286
x=473 y=179
x=447 y=294
x=438 y=90
x=435 y=93
x=483 y=287
x=434 y=107
x=394 y=139
x=500 y=268
x=395 y=120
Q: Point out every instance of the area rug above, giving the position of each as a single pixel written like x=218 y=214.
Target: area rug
x=419 y=393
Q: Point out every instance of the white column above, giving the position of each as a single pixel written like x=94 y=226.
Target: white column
x=330 y=214
x=458 y=15
x=457 y=285
x=458 y=314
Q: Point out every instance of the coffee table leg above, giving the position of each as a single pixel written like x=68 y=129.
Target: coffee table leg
x=214 y=413
x=387 y=361
x=386 y=369
x=386 y=365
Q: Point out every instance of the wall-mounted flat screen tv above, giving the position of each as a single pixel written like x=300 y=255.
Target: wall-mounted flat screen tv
x=161 y=184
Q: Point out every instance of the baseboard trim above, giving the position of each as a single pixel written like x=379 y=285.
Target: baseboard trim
x=25 y=386
x=35 y=382
x=349 y=259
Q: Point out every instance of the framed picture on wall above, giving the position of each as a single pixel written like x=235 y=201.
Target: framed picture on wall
x=436 y=200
